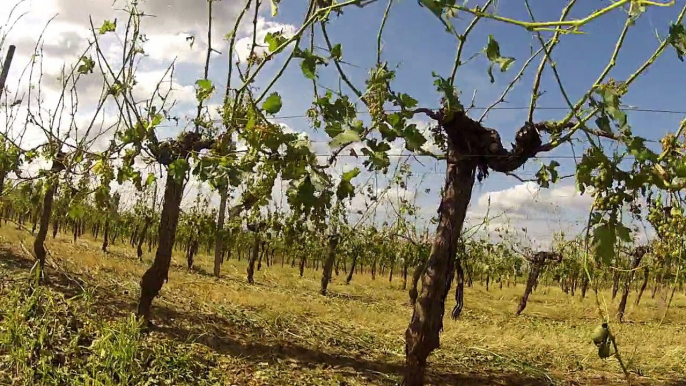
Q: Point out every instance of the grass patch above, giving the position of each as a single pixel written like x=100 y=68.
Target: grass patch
x=281 y=331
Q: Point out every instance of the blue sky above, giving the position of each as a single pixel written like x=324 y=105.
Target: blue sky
x=416 y=42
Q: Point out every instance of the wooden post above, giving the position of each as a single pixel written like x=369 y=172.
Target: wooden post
x=6 y=67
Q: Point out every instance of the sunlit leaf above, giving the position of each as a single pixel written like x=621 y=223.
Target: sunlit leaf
x=272 y=105
x=344 y=138
x=107 y=26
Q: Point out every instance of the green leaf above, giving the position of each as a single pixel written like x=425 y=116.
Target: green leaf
x=151 y=178
x=547 y=174
x=107 y=26
x=603 y=124
x=434 y=6
x=272 y=105
x=677 y=38
x=414 y=140
x=624 y=233
x=492 y=49
x=493 y=55
x=178 y=169
x=204 y=84
x=452 y=101
x=336 y=52
x=86 y=66
x=604 y=239
x=505 y=63
x=345 y=138
x=437 y=6
x=274 y=40
x=308 y=67
x=349 y=175
x=345 y=190
x=275 y=7
x=305 y=192
x=406 y=101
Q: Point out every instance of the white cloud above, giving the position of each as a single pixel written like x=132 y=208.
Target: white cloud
x=529 y=197
x=263 y=27
x=530 y=212
x=167 y=47
x=147 y=82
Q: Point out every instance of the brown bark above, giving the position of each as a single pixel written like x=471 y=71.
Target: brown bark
x=132 y=239
x=219 y=232
x=459 y=290
x=416 y=275
x=55 y=227
x=263 y=255
x=406 y=265
x=534 y=271
x=584 y=287
x=328 y=264
x=253 y=257
x=141 y=239
x=422 y=335
x=636 y=258
x=390 y=275
x=536 y=264
x=2 y=182
x=191 y=251
x=646 y=275
x=302 y=264
x=105 y=239
x=352 y=267
x=44 y=223
x=470 y=147
x=158 y=273
x=615 y=284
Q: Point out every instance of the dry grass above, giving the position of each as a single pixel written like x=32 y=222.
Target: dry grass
x=281 y=331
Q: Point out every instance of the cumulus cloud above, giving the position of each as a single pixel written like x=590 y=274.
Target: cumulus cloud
x=529 y=198
x=531 y=212
x=147 y=82
x=263 y=27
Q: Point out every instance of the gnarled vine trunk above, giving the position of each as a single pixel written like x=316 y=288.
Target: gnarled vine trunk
x=158 y=273
x=534 y=271
x=406 y=265
x=141 y=239
x=646 y=276
x=106 y=239
x=416 y=275
x=328 y=264
x=584 y=286
x=219 y=232
x=615 y=284
x=537 y=262
x=422 y=335
x=352 y=266
x=253 y=257
x=637 y=256
x=470 y=146
x=44 y=223
x=191 y=252
x=303 y=260
x=459 y=290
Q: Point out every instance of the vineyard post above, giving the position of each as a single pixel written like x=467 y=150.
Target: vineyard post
x=6 y=67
